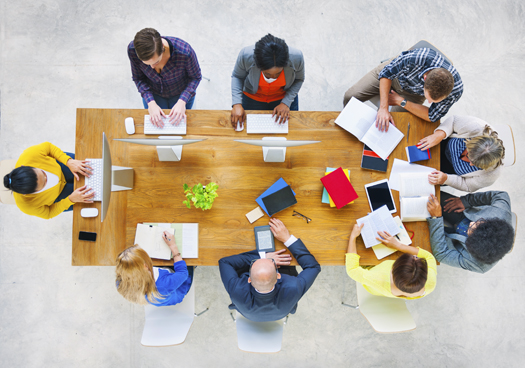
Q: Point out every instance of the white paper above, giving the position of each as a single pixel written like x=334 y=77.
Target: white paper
x=400 y=167
x=381 y=142
x=150 y=239
x=190 y=239
x=356 y=118
x=403 y=236
x=415 y=185
x=414 y=208
x=379 y=220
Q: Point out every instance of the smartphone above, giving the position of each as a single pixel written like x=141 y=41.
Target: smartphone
x=87 y=236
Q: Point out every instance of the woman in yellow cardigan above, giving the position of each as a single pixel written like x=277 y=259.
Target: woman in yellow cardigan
x=42 y=181
x=411 y=276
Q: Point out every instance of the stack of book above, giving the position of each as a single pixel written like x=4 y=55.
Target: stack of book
x=338 y=188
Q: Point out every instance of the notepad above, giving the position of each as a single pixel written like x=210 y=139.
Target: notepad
x=415 y=154
x=186 y=237
x=339 y=188
x=359 y=119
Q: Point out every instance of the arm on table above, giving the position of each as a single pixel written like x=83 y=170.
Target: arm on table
x=229 y=268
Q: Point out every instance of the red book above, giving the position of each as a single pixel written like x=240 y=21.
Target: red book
x=339 y=188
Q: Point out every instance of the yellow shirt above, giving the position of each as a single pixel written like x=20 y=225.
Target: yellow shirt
x=43 y=156
x=376 y=280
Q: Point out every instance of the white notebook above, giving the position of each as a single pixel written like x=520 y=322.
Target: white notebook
x=186 y=238
x=359 y=119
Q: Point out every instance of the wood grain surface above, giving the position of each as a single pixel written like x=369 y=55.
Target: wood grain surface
x=242 y=176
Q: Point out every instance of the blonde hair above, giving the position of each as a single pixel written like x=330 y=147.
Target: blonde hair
x=487 y=150
x=134 y=281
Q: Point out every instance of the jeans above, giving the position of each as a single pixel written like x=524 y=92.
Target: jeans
x=70 y=182
x=168 y=103
x=251 y=104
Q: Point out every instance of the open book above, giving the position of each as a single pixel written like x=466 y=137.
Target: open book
x=381 y=251
x=149 y=237
x=359 y=119
x=413 y=196
x=379 y=220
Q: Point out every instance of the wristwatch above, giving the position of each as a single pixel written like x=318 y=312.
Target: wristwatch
x=403 y=103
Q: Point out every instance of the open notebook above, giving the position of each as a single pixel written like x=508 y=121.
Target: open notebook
x=149 y=237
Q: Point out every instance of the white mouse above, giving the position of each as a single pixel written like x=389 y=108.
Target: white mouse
x=130 y=125
x=89 y=212
x=240 y=127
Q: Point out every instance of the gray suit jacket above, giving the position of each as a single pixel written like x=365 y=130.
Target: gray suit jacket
x=245 y=76
x=450 y=248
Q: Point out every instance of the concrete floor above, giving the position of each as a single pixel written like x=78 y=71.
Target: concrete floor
x=57 y=55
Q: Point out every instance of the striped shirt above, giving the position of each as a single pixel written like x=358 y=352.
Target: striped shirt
x=455 y=148
x=180 y=76
x=409 y=68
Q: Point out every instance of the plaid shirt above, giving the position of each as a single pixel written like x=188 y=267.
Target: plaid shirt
x=409 y=68
x=180 y=76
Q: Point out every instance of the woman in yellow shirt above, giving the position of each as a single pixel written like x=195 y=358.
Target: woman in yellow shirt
x=43 y=178
x=411 y=276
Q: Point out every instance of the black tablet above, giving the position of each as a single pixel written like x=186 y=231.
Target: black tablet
x=264 y=239
x=379 y=194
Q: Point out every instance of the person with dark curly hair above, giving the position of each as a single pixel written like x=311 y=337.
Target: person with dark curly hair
x=411 y=276
x=481 y=232
x=267 y=76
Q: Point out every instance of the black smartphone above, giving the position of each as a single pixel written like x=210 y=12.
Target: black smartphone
x=85 y=235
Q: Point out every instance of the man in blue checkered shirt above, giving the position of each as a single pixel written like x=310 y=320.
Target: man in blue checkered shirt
x=406 y=81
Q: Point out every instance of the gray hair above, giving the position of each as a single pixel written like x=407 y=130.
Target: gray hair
x=486 y=151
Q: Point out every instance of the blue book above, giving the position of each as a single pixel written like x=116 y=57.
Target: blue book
x=415 y=154
x=279 y=184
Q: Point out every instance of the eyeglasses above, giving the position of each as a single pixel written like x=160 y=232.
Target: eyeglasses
x=308 y=219
x=256 y=259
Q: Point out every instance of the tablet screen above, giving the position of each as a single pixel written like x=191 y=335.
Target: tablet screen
x=265 y=240
x=379 y=195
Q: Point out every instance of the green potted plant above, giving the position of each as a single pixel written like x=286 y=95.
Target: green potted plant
x=201 y=196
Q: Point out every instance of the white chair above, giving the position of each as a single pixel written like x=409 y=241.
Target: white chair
x=385 y=315
x=6 y=196
x=506 y=135
x=259 y=337
x=169 y=325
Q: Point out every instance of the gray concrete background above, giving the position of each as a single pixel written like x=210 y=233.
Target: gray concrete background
x=57 y=55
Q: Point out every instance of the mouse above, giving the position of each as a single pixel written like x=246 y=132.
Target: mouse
x=130 y=125
x=240 y=127
x=89 y=212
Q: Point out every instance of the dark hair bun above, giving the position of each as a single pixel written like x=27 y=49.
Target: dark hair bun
x=6 y=182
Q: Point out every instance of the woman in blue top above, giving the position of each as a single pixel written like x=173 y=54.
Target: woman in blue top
x=139 y=282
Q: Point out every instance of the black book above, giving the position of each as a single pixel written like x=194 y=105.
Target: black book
x=372 y=161
x=279 y=200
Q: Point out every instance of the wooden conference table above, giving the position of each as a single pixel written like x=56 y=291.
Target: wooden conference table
x=242 y=176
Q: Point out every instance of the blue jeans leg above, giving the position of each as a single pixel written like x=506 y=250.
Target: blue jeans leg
x=168 y=103
x=70 y=180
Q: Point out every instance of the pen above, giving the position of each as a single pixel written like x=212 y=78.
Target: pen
x=408 y=131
